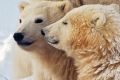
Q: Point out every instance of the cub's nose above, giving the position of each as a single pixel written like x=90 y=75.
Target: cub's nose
x=18 y=37
x=43 y=32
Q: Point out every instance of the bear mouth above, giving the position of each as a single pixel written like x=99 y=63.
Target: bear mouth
x=25 y=43
x=51 y=40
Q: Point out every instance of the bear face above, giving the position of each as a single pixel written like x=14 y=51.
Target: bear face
x=35 y=16
x=90 y=35
x=88 y=27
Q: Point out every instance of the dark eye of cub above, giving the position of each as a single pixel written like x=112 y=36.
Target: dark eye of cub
x=20 y=21
x=38 y=21
x=65 y=23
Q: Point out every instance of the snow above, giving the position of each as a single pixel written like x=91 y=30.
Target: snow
x=9 y=15
x=5 y=60
x=8 y=24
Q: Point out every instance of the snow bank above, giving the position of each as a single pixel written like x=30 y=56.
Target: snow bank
x=5 y=63
x=5 y=59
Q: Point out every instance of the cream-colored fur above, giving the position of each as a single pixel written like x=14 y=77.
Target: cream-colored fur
x=75 y=3
x=84 y=2
x=90 y=35
x=40 y=60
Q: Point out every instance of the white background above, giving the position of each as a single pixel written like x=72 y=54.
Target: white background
x=9 y=15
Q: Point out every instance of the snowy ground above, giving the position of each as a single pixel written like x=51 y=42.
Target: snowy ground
x=8 y=24
x=4 y=61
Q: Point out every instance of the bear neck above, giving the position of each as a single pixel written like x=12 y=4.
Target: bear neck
x=98 y=63
x=55 y=62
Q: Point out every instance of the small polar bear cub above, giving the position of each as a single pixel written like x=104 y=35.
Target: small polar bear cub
x=90 y=35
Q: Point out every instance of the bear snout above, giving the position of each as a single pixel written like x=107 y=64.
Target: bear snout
x=49 y=39
x=21 y=40
x=18 y=37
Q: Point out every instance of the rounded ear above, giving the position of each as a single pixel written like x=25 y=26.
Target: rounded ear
x=22 y=5
x=116 y=7
x=76 y=3
x=65 y=6
x=98 y=20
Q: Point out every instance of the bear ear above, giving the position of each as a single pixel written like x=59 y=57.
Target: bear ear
x=116 y=7
x=22 y=5
x=98 y=20
x=65 y=6
x=76 y=3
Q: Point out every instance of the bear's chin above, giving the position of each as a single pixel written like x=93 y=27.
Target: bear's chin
x=56 y=45
x=27 y=47
x=25 y=43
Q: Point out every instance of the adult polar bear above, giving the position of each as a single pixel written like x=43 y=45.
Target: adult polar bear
x=43 y=62
x=90 y=35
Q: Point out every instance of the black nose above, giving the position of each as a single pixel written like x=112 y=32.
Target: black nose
x=42 y=32
x=18 y=37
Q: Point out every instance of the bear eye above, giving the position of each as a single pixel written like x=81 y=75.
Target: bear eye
x=38 y=20
x=65 y=23
x=20 y=21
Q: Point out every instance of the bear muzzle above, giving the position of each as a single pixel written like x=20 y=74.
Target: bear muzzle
x=49 y=39
x=19 y=38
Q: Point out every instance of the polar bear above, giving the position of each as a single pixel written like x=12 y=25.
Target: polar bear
x=90 y=35
x=39 y=59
